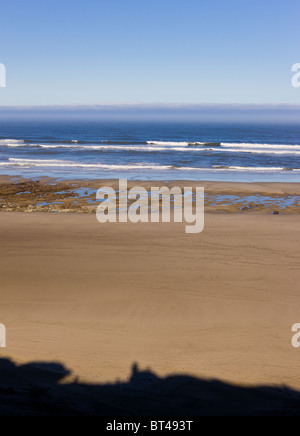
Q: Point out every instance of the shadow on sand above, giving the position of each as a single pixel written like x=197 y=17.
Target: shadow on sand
x=36 y=389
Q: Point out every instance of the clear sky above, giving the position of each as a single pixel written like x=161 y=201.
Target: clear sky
x=142 y=51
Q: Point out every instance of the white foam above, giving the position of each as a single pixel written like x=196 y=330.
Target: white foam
x=261 y=146
x=275 y=149
x=102 y=147
x=166 y=143
x=11 y=143
x=66 y=164
x=261 y=151
x=175 y=144
x=256 y=169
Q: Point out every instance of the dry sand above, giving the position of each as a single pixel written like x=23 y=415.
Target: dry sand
x=98 y=298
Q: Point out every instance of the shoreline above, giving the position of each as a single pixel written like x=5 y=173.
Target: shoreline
x=18 y=194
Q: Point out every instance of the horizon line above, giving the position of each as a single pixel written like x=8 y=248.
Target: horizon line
x=170 y=106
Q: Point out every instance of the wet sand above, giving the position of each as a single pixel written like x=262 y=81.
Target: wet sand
x=50 y=195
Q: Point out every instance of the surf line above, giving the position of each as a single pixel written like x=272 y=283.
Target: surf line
x=137 y=205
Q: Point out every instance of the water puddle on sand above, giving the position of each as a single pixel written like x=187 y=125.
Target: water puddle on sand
x=258 y=200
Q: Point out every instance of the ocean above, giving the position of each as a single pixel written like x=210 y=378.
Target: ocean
x=150 y=150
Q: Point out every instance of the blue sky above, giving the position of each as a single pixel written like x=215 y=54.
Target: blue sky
x=158 y=51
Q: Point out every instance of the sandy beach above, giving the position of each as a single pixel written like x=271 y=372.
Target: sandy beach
x=98 y=299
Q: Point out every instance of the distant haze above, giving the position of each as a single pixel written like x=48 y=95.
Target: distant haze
x=193 y=113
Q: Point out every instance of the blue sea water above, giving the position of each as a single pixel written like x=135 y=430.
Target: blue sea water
x=150 y=150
